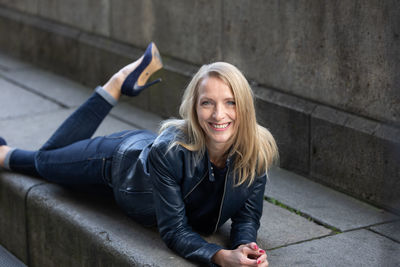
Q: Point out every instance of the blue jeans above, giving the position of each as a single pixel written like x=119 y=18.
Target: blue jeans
x=70 y=156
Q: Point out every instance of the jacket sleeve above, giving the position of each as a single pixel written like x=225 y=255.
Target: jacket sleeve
x=170 y=209
x=246 y=221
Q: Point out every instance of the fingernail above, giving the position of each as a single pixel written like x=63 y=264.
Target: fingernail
x=259 y=261
x=255 y=247
x=261 y=251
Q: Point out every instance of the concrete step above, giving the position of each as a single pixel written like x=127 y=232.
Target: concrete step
x=323 y=204
x=355 y=248
x=37 y=215
x=9 y=260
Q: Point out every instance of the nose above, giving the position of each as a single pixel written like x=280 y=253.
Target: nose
x=218 y=113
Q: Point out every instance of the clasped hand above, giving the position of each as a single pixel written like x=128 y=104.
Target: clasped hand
x=245 y=255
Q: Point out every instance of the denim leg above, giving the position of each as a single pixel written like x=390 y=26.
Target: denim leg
x=82 y=123
x=86 y=162
x=83 y=162
x=23 y=161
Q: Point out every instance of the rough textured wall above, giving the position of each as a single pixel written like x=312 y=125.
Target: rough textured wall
x=344 y=54
x=341 y=53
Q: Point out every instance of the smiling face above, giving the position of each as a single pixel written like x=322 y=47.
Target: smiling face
x=216 y=113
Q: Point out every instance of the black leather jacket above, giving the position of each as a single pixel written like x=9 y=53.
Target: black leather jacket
x=152 y=184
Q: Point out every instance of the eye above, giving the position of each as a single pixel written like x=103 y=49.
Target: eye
x=231 y=103
x=205 y=103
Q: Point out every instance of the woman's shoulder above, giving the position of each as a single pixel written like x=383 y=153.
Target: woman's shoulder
x=169 y=135
x=166 y=152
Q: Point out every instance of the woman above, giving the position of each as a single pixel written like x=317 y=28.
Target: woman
x=200 y=171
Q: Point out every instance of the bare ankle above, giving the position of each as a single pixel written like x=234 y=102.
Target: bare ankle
x=113 y=86
x=3 y=153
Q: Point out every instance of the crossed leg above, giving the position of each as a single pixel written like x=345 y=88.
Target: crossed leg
x=112 y=87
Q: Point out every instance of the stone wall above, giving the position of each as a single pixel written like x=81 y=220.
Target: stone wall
x=325 y=73
x=345 y=54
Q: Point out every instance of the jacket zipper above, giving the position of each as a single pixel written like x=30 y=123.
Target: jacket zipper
x=222 y=201
x=194 y=187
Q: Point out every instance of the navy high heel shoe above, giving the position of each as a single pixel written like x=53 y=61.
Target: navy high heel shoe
x=2 y=142
x=136 y=80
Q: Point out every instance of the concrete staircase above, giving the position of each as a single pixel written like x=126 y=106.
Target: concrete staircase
x=303 y=223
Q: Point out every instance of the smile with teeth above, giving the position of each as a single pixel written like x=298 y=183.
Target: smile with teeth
x=220 y=126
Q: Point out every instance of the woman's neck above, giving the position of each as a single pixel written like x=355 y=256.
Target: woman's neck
x=217 y=156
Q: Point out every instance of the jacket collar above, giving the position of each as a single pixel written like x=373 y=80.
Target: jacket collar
x=210 y=168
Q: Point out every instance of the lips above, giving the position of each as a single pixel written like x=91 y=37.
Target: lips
x=219 y=126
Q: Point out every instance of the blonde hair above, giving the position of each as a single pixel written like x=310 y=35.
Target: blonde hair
x=254 y=147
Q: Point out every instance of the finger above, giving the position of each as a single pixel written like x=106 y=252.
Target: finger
x=261 y=251
x=262 y=259
x=247 y=250
x=253 y=246
x=250 y=253
x=263 y=264
x=248 y=262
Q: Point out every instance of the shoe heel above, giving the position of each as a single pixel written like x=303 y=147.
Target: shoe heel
x=136 y=80
x=154 y=65
x=138 y=89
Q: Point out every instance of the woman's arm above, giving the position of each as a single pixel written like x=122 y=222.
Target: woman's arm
x=245 y=224
x=246 y=221
x=170 y=208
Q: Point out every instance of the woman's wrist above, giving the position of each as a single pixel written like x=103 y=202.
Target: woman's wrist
x=218 y=257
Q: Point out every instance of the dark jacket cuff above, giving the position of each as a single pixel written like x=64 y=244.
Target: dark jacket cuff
x=211 y=250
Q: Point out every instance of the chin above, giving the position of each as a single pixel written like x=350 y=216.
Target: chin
x=221 y=140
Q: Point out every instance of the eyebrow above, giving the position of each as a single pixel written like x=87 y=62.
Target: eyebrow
x=208 y=98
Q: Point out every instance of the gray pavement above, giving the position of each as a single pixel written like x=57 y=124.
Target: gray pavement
x=9 y=260
x=322 y=227
x=324 y=204
x=355 y=248
x=390 y=230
